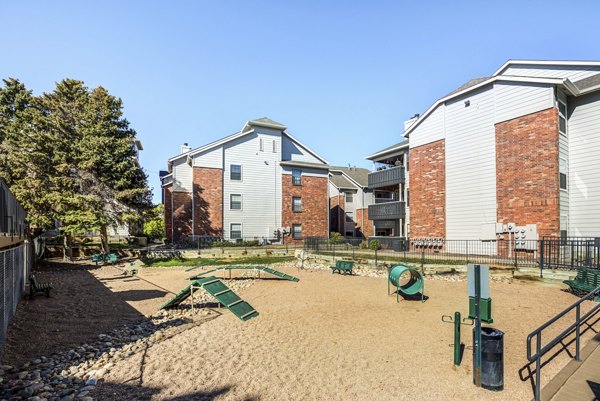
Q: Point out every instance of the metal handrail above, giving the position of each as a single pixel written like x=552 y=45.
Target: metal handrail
x=537 y=333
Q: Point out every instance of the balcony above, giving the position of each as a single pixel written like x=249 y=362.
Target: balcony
x=387 y=177
x=387 y=211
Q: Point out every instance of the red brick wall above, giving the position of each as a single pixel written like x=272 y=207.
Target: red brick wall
x=367 y=230
x=167 y=191
x=208 y=201
x=428 y=190
x=182 y=215
x=336 y=214
x=527 y=175
x=314 y=205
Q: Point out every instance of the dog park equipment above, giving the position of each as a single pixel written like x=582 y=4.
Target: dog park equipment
x=223 y=294
x=207 y=263
x=414 y=285
x=457 y=344
x=490 y=375
x=485 y=302
x=342 y=266
x=257 y=269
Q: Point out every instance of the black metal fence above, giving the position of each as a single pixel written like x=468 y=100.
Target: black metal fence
x=209 y=242
x=570 y=253
x=432 y=251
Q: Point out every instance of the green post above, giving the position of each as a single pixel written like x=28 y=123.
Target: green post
x=457 y=321
x=352 y=252
x=375 y=257
x=477 y=333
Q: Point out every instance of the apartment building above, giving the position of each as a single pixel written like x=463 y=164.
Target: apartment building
x=516 y=148
x=259 y=183
x=349 y=200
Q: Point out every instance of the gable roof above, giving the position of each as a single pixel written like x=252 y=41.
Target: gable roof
x=340 y=181
x=359 y=175
x=588 y=83
x=263 y=122
x=398 y=146
x=546 y=62
x=468 y=84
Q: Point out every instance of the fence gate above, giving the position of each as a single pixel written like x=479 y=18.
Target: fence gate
x=570 y=253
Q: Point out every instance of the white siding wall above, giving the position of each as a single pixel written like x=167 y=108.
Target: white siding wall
x=293 y=151
x=514 y=99
x=430 y=130
x=584 y=171
x=212 y=158
x=470 y=165
x=574 y=73
x=563 y=153
x=260 y=186
x=182 y=176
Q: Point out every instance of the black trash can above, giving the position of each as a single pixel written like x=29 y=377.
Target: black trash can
x=492 y=358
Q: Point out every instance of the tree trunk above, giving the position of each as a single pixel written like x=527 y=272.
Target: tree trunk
x=66 y=246
x=104 y=239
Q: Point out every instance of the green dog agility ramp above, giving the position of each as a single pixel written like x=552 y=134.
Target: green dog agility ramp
x=221 y=293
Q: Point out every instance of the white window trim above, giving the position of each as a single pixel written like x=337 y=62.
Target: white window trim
x=241 y=202
x=296 y=169
x=301 y=206
x=351 y=196
x=274 y=146
x=566 y=133
x=566 y=173
x=241 y=231
x=261 y=146
x=301 y=231
x=241 y=172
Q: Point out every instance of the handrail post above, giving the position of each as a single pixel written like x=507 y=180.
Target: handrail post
x=577 y=332
x=538 y=340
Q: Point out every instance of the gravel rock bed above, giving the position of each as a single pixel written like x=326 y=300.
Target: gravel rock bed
x=73 y=374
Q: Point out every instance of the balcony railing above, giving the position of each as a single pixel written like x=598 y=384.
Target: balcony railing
x=387 y=211
x=387 y=177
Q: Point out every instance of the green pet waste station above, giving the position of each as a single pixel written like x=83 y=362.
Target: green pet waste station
x=408 y=281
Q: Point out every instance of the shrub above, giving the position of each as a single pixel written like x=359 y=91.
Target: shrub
x=230 y=244
x=374 y=245
x=363 y=245
x=336 y=238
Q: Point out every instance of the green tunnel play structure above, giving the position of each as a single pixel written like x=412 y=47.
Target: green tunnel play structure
x=407 y=280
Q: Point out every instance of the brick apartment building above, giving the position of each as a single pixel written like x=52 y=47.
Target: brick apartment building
x=519 y=146
x=248 y=185
x=349 y=199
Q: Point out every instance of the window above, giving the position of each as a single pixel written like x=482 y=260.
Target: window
x=297 y=177
x=562 y=118
x=296 y=204
x=274 y=146
x=349 y=197
x=235 y=202
x=349 y=234
x=349 y=217
x=296 y=231
x=236 y=231
x=235 y=172
x=562 y=167
x=260 y=145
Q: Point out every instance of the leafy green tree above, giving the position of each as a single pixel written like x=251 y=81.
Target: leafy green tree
x=68 y=156
x=154 y=227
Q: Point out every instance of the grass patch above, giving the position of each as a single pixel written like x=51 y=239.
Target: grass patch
x=251 y=260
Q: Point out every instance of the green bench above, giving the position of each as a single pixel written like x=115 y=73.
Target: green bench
x=104 y=258
x=587 y=280
x=343 y=266
x=37 y=288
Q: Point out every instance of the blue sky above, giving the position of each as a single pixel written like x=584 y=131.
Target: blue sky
x=343 y=76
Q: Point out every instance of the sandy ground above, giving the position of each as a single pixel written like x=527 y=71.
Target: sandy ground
x=327 y=337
